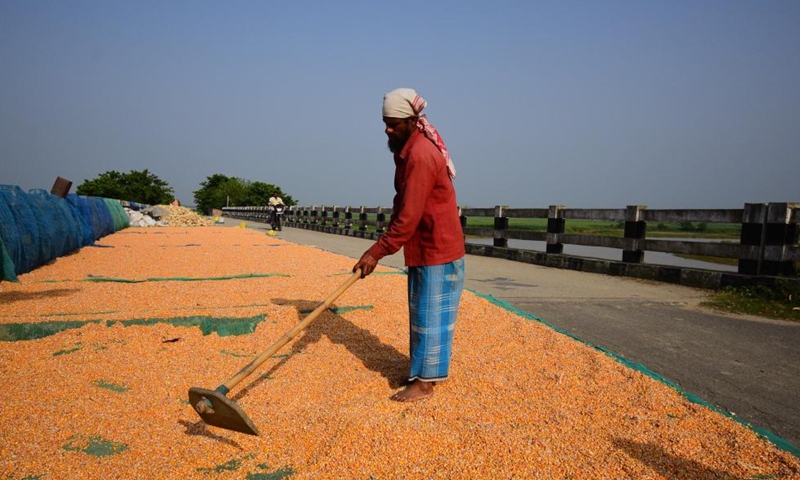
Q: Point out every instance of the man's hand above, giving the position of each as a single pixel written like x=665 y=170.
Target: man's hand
x=367 y=264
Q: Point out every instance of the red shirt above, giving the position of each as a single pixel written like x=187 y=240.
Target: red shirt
x=424 y=219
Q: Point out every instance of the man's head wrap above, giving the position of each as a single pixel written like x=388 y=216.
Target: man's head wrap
x=404 y=103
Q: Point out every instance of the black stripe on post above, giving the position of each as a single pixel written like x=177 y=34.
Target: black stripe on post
x=348 y=218
x=635 y=230
x=500 y=228
x=381 y=218
x=362 y=220
x=778 y=232
x=556 y=224
x=754 y=217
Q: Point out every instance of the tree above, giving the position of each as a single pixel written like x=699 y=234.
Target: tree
x=258 y=193
x=219 y=191
x=136 y=186
x=211 y=195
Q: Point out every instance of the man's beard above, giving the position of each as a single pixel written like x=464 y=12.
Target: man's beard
x=396 y=146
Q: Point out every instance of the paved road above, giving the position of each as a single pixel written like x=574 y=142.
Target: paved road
x=745 y=365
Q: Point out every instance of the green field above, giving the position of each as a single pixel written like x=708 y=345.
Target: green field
x=616 y=229
x=604 y=227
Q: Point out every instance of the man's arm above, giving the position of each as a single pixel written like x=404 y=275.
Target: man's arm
x=419 y=181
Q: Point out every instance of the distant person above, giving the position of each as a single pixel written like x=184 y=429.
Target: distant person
x=273 y=202
x=275 y=199
x=425 y=223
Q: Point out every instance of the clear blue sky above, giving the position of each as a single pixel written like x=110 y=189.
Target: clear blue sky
x=669 y=104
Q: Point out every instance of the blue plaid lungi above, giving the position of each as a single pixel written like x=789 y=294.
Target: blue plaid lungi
x=433 y=296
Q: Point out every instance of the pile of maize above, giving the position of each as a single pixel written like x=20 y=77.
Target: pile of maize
x=99 y=349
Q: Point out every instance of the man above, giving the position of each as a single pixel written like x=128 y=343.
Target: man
x=275 y=199
x=273 y=202
x=425 y=223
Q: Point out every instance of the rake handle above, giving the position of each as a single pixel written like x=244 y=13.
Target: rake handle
x=250 y=367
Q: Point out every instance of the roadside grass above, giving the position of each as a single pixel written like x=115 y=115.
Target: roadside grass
x=780 y=301
x=718 y=260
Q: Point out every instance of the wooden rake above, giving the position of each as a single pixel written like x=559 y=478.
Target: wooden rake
x=218 y=410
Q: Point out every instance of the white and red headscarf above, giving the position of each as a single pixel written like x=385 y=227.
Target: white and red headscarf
x=404 y=103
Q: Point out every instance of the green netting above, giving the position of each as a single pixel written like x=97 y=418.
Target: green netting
x=111 y=386
x=342 y=310
x=67 y=351
x=393 y=272
x=224 y=327
x=276 y=475
x=94 y=445
x=6 y=265
x=236 y=354
x=118 y=215
x=237 y=463
x=19 y=229
x=93 y=278
x=59 y=231
x=12 y=332
x=228 y=466
x=37 y=227
x=96 y=220
x=70 y=314
x=777 y=441
x=108 y=312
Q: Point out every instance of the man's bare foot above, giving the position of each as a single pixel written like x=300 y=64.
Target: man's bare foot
x=417 y=390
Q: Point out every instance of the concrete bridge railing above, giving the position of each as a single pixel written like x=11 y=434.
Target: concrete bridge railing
x=767 y=245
